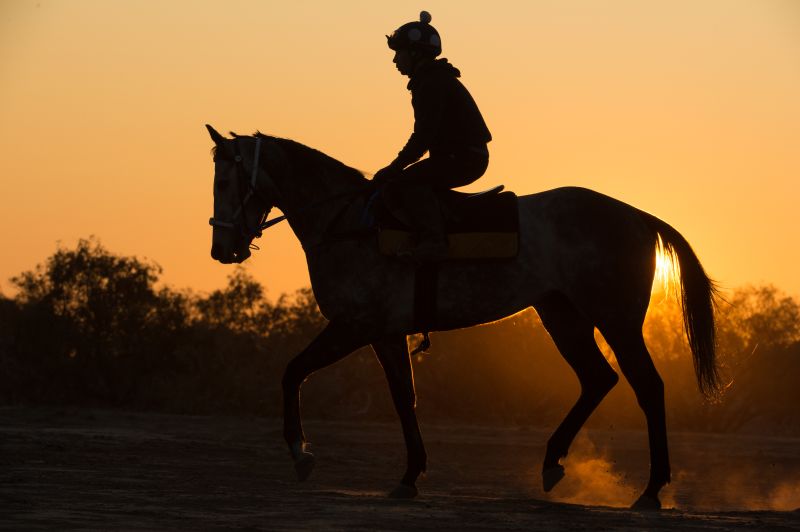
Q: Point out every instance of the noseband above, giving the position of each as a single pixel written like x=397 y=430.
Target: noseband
x=239 y=220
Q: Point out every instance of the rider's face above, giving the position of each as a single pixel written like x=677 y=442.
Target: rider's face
x=404 y=61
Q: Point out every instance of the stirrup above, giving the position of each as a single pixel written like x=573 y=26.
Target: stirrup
x=423 y=346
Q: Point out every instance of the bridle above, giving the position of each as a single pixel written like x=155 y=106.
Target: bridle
x=238 y=222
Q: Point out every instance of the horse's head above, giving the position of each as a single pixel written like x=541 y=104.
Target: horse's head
x=243 y=195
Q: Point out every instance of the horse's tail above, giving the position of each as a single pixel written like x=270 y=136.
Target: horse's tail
x=698 y=301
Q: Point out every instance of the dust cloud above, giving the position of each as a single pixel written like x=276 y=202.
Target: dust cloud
x=592 y=478
x=740 y=478
x=749 y=488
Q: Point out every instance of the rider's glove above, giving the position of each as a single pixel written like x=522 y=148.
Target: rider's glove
x=386 y=175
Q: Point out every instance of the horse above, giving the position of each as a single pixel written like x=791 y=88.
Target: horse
x=585 y=261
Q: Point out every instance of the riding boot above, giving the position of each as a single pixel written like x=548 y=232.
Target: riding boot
x=425 y=216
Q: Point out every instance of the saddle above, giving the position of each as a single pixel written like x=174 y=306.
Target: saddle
x=482 y=225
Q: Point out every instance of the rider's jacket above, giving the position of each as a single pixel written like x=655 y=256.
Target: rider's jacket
x=446 y=118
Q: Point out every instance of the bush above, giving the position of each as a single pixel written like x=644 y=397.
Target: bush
x=91 y=328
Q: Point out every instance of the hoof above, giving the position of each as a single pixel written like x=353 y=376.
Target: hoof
x=304 y=465
x=551 y=477
x=647 y=503
x=403 y=491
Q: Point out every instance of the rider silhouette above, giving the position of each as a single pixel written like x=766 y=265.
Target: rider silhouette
x=447 y=124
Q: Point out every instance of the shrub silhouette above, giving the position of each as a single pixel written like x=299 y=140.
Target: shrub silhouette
x=88 y=327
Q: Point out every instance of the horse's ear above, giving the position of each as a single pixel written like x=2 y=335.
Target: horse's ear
x=215 y=136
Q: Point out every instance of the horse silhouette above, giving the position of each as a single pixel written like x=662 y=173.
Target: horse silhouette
x=585 y=261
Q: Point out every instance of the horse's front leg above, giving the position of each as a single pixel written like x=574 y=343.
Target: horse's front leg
x=393 y=356
x=333 y=344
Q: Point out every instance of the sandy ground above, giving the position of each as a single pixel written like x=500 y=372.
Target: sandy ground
x=72 y=469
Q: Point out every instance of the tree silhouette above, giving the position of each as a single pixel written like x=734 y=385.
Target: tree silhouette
x=91 y=327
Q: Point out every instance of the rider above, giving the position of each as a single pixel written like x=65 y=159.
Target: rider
x=447 y=124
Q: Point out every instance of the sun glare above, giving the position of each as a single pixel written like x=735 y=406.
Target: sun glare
x=666 y=270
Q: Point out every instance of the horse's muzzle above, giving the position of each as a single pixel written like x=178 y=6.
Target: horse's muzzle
x=216 y=252
x=241 y=256
x=225 y=257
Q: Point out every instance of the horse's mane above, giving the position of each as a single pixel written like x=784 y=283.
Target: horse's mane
x=305 y=159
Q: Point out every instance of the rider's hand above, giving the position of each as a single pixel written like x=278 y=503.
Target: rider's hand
x=386 y=175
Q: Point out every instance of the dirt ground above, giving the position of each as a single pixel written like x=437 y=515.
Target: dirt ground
x=71 y=469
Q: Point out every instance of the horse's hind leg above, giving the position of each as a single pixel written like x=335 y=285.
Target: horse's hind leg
x=637 y=366
x=331 y=345
x=573 y=335
x=393 y=356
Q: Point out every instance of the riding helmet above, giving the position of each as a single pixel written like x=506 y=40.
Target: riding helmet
x=417 y=36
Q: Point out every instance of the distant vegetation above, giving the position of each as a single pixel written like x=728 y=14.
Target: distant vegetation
x=89 y=328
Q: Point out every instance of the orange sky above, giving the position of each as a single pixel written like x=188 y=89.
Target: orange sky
x=687 y=109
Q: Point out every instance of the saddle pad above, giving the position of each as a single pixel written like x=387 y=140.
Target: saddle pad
x=483 y=245
x=479 y=227
x=494 y=213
